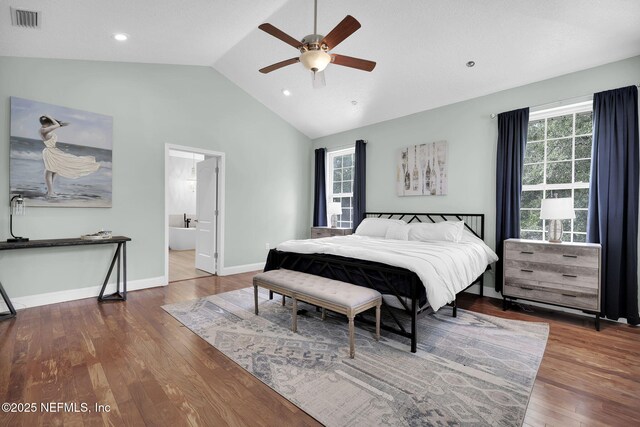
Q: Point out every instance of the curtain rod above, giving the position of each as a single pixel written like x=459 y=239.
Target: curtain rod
x=556 y=103
x=342 y=147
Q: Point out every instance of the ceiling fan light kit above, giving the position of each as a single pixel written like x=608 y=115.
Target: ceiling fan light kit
x=315 y=60
x=315 y=49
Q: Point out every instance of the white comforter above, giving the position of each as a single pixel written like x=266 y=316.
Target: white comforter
x=445 y=268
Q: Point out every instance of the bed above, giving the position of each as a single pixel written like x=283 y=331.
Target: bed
x=412 y=273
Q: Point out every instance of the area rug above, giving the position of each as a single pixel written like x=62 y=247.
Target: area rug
x=472 y=370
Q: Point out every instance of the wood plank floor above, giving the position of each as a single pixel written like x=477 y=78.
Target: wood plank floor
x=182 y=266
x=151 y=370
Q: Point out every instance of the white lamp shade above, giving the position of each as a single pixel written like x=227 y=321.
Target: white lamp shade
x=557 y=209
x=315 y=60
x=334 y=208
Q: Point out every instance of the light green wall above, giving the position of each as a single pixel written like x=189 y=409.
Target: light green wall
x=472 y=137
x=267 y=179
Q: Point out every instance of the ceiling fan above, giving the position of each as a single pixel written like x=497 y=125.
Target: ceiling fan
x=315 y=48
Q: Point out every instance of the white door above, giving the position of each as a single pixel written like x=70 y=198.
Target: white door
x=206 y=211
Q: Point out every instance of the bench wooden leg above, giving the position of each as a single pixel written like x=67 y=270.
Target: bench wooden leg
x=324 y=313
x=378 y=322
x=294 y=315
x=283 y=300
x=352 y=338
x=255 y=297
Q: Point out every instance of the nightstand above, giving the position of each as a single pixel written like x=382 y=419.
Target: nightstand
x=561 y=274
x=317 y=232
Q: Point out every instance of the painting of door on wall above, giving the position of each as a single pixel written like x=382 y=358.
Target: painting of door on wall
x=421 y=170
x=59 y=156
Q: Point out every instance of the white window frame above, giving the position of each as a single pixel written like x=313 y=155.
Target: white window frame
x=331 y=155
x=580 y=107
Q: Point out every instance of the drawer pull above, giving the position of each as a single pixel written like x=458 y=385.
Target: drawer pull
x=525 y=288
x=526 y=252
x=569 y=256
x=526 y=271
x=569 y=295
x=569 y=275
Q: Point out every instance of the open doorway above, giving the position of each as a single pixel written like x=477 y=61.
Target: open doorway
x=194 y=200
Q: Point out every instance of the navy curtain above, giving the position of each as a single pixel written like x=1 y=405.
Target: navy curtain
x=512 y=142
x=359 y=183
x=613 y=199
x=320 y=193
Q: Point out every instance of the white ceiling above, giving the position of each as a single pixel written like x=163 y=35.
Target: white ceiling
x=421 y=47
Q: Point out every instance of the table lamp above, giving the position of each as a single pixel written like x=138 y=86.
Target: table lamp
x=16 y=205
x=555 y=210
x=334 y=209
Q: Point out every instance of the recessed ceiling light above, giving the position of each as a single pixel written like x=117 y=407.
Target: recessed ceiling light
x=286 y=92
x=121 y=36
x=470 y=64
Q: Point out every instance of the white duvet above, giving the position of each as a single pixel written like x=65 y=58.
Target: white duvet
x=445 y=268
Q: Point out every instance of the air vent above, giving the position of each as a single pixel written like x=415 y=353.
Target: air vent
x=25 y=18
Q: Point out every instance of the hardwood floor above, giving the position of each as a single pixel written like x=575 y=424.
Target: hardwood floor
x=182 y=266
x=152 y=370
x=586 y=378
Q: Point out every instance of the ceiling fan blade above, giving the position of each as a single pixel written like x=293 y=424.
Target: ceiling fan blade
x=279 y=34
x=278 y=65
x=344 y=29
x=317 y=80
x=349 y=61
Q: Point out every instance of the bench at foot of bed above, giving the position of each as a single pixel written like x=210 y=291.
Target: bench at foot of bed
x=340 y=297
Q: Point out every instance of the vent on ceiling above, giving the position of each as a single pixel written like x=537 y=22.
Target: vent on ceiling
x=25 y=18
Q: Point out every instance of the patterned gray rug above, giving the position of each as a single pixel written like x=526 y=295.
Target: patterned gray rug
x=473 y=370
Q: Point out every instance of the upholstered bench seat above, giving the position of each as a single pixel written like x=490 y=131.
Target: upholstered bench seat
x=334 y=295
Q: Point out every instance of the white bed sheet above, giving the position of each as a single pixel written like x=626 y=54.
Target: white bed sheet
x=445 y=268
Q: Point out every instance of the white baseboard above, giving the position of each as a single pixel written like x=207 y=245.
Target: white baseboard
x=81 y=293
x=237 y=269
x=134 y=285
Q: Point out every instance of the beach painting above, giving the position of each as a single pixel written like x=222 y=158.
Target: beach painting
x=59 y=156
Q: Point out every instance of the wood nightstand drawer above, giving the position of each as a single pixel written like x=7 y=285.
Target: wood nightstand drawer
x=551 y=293
x=564 y=274
x=318 y=232
x=315 y=233
x=556 y=254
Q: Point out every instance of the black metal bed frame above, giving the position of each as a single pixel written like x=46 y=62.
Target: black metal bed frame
x=382 y=274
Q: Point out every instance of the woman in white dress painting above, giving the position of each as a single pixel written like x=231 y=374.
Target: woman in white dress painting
x=56 y=161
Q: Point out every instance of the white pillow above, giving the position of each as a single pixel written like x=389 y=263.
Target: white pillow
x=398 y=232
x=376 y=227
x=445 y=230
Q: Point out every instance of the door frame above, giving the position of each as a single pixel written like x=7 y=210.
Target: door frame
x=221 y=203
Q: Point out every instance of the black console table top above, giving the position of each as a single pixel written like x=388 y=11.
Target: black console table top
x=120 y=256
x=49 y=243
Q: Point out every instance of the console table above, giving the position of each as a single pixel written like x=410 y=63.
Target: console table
x=119 y=257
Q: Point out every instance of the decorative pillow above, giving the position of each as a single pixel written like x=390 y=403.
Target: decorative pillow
x=397 y=232
x=446 y=230
x=376 y=227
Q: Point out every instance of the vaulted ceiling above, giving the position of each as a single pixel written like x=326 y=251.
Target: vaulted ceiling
x=420 y=46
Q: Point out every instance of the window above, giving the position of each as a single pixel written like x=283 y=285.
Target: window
x=557 y=163
x=340 y=184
